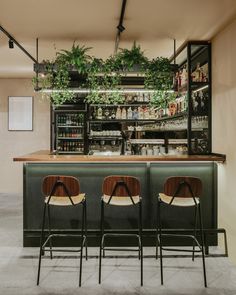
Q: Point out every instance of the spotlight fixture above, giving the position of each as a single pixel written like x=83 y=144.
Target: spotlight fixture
x=120 y=28
x=11 y=43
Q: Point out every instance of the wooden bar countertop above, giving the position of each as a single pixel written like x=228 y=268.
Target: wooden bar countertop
x=46 y=156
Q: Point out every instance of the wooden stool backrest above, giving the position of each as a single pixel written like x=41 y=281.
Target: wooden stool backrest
x=119 y=183
x=60 y=185
x=182 y=186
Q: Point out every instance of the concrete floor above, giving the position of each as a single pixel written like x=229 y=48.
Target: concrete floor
x=18 y=268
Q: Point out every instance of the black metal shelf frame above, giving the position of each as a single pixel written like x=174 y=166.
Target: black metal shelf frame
x=189 y=54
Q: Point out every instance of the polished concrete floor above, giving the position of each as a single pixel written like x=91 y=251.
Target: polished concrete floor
x=18 y=268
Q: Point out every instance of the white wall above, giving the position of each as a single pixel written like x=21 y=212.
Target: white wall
x=16 y=143
x=224 y=127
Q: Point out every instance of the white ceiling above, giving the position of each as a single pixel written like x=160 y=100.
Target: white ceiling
x=57 y=23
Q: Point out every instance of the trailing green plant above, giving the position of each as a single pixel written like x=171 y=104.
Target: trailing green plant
x=158 y=74
x=103 y=74
x=162 y=98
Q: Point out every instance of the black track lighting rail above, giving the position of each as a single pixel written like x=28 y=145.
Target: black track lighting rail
x=11 y=38
x=120 y=27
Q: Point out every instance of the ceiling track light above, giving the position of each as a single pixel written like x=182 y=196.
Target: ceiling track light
x=121 y=28
x=12 y=41
x=11 y=44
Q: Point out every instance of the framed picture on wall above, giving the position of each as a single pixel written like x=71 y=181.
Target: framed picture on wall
x=20 y=113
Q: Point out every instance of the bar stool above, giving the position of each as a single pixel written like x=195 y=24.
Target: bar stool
x=119 y=190
x=60 y=190
x=182 y=191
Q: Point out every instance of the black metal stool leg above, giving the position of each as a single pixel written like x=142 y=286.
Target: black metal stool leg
x=195 y=230
x=101 y=242
x=160 y=238
x=157 y=244
x=41 y=243
x=202 y=245
x=85 y=229
x=82 y=243
x=81 y=259
x=49 y=229
x=141 y=240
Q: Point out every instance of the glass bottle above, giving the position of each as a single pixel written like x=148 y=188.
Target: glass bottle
x=118 y=113
x=99 y=113
x=124 y=114
x=129 y=113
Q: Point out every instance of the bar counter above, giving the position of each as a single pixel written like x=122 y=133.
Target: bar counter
x=91 y=170
x=46 y=156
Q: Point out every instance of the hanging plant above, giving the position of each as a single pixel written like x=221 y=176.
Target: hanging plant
x=162 y=98
x=103 y=75
x=133 y=59
x=76 y=57
x=158 y=74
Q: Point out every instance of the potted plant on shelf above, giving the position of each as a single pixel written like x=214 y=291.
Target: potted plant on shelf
x=57 y=73
x=132 y=59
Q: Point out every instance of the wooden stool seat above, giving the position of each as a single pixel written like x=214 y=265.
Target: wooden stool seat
x=178 y=201
x=120 y=201
x=65 y=201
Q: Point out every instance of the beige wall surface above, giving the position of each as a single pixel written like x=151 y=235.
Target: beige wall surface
x=224 y=127
x=16 y=143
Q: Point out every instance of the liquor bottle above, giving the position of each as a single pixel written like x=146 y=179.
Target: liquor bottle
x=140 y=113
x=146 y=113
x=113 y=114
x=179 y=78
x=152 y=113
x=135 y=114
x=118 y=113
x=176 y=81
x=106 y=113
x=99 y=113
x=184 y=76
x=197 y=73
x=123 y=114
x=129 y=113
x=146 y=97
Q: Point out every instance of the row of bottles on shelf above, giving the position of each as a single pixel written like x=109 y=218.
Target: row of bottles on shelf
x=200 y=102
x=70 y=119
x=125 y=113
x=181 y=78
x=69 y=132
x=139 y=113
x=199 y=74
x=70 y=146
